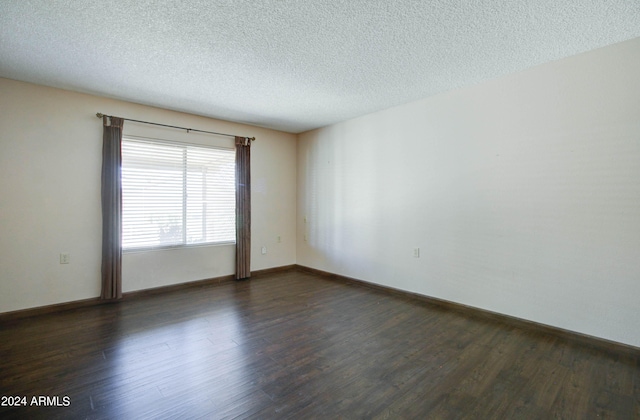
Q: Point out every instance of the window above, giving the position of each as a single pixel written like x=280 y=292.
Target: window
x=176 y=194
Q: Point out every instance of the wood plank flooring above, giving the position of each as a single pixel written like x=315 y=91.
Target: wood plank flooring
x=298 y=345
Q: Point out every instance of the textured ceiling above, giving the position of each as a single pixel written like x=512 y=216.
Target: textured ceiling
x=293 y=65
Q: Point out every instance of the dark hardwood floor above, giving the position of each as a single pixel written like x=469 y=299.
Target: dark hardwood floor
x=298 y=345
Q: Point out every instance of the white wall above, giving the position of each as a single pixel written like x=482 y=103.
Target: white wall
x=50 y=163
x=522 y=193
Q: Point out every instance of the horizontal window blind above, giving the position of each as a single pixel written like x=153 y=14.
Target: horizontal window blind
x=175 y=194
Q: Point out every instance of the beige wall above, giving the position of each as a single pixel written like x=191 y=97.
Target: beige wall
x=50 y=163
x=522 y=193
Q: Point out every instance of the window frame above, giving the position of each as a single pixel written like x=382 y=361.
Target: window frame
x=176 y=143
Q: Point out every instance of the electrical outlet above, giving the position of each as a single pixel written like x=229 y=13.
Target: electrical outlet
x=416 y=252
x=279 y=238
x=65 y=258
x=264 y=250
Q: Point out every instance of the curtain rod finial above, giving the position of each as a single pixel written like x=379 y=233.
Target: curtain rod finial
x=252 y=138
x=99 y=114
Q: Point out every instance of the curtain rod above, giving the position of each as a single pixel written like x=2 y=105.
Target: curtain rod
x=100 y=115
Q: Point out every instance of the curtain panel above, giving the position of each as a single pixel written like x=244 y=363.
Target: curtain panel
x=243 y=208
x=111 y=208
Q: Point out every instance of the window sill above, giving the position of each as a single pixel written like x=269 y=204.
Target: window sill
x=174 y=247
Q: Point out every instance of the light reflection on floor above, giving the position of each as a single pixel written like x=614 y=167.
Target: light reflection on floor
x=162 y=364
